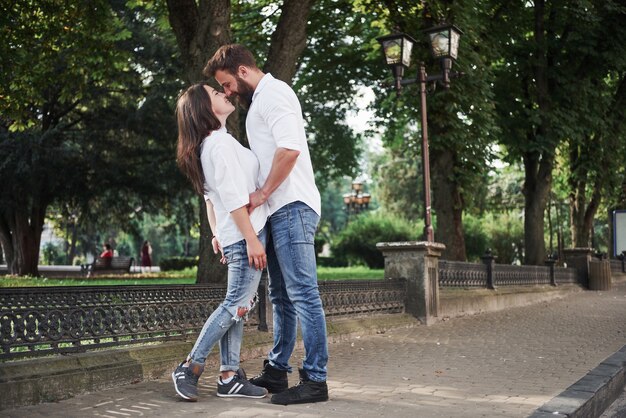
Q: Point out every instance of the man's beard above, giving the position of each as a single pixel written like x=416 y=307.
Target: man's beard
x=244 y=94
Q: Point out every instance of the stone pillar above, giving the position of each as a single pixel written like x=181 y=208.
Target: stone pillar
x=579 y=259
x=418 y=263
x=490 y=262
x=550 y=262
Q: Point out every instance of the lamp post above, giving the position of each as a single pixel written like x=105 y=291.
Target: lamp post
x=444 y=44
x=356 y=201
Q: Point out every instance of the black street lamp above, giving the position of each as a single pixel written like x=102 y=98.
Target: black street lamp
x=356 y=201
x=444 y=45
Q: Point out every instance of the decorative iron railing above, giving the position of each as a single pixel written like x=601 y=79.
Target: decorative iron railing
x=46 y=320
x=471 y=275
x=617 y=266
x=565 y=275
x=461 y=274
x=363 y=297
x=508 y=275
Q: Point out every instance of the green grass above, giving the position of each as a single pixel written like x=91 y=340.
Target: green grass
x=187 y=276
x=349 y=273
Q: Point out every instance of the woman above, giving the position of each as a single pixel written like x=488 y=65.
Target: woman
x=225 y=173
x=146 y=256
x=107 y=253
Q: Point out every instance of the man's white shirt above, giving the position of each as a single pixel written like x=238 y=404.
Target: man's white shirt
x=275 y=121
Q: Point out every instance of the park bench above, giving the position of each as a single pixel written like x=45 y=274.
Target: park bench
x=115 y=265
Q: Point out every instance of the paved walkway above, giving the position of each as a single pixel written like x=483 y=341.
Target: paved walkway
x=503 y=364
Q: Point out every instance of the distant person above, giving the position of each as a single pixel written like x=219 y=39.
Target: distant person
x=146 y=256
x=108 y=252
x=107 y=255
x=275 y=129
x=225 y=172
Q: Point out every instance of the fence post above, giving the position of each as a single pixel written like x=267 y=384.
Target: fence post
x=265 y=308
x=418 y=263
x=550 y=262
x=579 y=259
x=490 y=260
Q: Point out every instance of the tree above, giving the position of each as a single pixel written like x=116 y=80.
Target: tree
x=551 y=53
x=95 y=146
x=74 y=45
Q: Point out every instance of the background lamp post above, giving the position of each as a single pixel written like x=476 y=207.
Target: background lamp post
x=444 y=45
x=356 y=201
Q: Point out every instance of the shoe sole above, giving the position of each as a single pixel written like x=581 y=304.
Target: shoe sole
x=180 y=394
x=228 y=395
x=324 y=399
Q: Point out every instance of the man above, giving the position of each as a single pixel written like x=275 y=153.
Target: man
x=275 y=130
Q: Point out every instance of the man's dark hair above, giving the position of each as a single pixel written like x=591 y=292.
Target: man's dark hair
x=228 y=58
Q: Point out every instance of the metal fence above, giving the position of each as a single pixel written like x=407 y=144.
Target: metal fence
x=618 y=266
x=50 y=320
x=471 y=275
x=47 y=320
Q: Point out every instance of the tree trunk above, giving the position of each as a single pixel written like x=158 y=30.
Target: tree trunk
x=71 y=250
x=21 y=236
x=211 y=271
x=200 y=30
x=448 y=205
x=538 y=164
x=7 y=245
x=582 y=214
x=288 y=40
x=537 y=186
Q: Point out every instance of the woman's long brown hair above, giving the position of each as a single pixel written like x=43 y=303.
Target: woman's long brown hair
x=196 y=121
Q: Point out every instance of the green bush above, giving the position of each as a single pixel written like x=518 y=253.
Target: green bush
x=52 y=254
x=357 y=242
x=502 y=232
x=177 y=263
x=476 y=238
x=506 y=234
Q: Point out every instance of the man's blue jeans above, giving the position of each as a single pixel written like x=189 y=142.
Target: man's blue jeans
x=225 y=324
x=293 y=289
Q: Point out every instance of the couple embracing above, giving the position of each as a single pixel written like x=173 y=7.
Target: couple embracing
x=264 y=208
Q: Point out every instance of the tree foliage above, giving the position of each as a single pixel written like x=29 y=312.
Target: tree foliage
x=82 y=126
x=558 y=59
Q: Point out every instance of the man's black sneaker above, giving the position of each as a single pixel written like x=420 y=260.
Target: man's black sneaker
x=239 y=387
x=270 y=378
x=186 y=380
x=307 y=391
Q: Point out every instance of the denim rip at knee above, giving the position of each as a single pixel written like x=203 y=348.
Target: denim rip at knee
x=225 y=323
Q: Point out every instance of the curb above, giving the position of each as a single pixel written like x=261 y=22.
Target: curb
x=592 y=394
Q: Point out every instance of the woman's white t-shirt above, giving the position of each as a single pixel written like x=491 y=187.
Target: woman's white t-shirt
x=231 y=173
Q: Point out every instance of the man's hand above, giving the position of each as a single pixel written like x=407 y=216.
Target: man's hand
x=257 y=198
x=282 y=164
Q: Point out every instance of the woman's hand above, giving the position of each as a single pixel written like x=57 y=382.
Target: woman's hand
x=256 y=253
x=218 y=248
